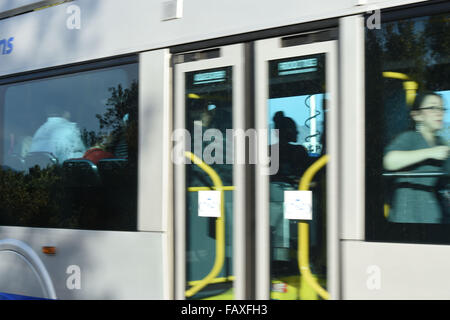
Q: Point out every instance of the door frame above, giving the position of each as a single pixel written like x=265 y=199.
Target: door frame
x=231 y=55
x=265 y=51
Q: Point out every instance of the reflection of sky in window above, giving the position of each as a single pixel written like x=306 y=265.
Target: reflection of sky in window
x=83 y=95
x=296 y=107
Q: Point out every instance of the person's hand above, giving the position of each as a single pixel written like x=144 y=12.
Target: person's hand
x=439 y=152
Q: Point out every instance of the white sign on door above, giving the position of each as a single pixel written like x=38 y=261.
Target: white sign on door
x=209 y=204
x=298 y=205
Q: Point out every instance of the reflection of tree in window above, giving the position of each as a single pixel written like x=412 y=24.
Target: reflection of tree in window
x=41 y=197
x=121 y=117
x=118 y=124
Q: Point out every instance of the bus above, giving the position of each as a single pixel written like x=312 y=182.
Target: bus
x=285 y=150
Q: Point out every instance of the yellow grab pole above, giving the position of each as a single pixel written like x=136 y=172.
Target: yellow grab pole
x=220 y=227
x=409 y=85
x=303 y=230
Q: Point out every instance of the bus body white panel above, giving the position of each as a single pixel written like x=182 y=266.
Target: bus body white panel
x=97 y=264
x=22 y=279
x=352 y=127
x=103 y=28
x=394 y=271
x=154 y=151
x=29 y=275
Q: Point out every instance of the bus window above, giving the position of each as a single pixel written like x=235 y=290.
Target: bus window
x=68 y=151
x=408 y=129
x=297 y=113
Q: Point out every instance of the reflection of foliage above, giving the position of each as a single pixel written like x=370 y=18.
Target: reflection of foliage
x=419 y=48
x=90 y=138
x=47 y=198
x=404 y=43
x=438 y=42
x=50 y=197
x=438 y=37
x=123 y=102
x=31 y=199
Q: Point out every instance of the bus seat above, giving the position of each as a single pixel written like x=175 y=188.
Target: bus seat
x=113 y=172
x=80 y=173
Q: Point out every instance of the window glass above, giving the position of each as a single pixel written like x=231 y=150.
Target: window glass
x=69 y=151
x=408 y=129
x=296 y=112
x=208 y=118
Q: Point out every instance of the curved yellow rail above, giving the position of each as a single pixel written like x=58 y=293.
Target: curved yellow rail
x=395 y=75
x=409 y=85
x=220 y=227
x=303 y=230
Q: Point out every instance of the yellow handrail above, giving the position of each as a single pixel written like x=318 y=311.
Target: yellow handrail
x=409 y=85
x=215 y=280
x=395 y=75
x=196 y=189
x=303 y=230
x=220 y=227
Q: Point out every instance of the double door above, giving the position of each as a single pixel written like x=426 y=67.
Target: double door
x=255 y=170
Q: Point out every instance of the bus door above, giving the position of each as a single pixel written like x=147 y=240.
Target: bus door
x=297 y=210
x=208 y=92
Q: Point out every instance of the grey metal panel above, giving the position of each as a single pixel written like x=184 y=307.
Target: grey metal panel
x=114 y=265
x=28 y=268
x=22 y=279
x=395 y=271
x=351 y=177
x=154 y=133
x=155 y=197
x=114 y=27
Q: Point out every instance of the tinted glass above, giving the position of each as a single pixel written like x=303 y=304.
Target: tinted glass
x=68 y=151
x=208 y=99
x=297 y=112
x=408 y=129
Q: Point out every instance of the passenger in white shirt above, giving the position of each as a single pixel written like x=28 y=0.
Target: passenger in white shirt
x=60 y=137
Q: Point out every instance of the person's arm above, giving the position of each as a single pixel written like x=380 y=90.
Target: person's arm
x=396 y=159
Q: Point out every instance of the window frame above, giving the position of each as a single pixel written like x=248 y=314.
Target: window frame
x=68 y=69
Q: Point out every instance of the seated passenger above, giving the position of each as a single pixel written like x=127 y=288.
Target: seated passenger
x=58 y=136
x=293 y=158
x=97 y=152
x=421 y=150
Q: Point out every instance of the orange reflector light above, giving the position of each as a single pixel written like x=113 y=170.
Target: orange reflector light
x=49 y=250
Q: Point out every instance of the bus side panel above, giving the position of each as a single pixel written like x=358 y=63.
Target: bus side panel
x=98 y=264
x=394 y=271
x=85 y=30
